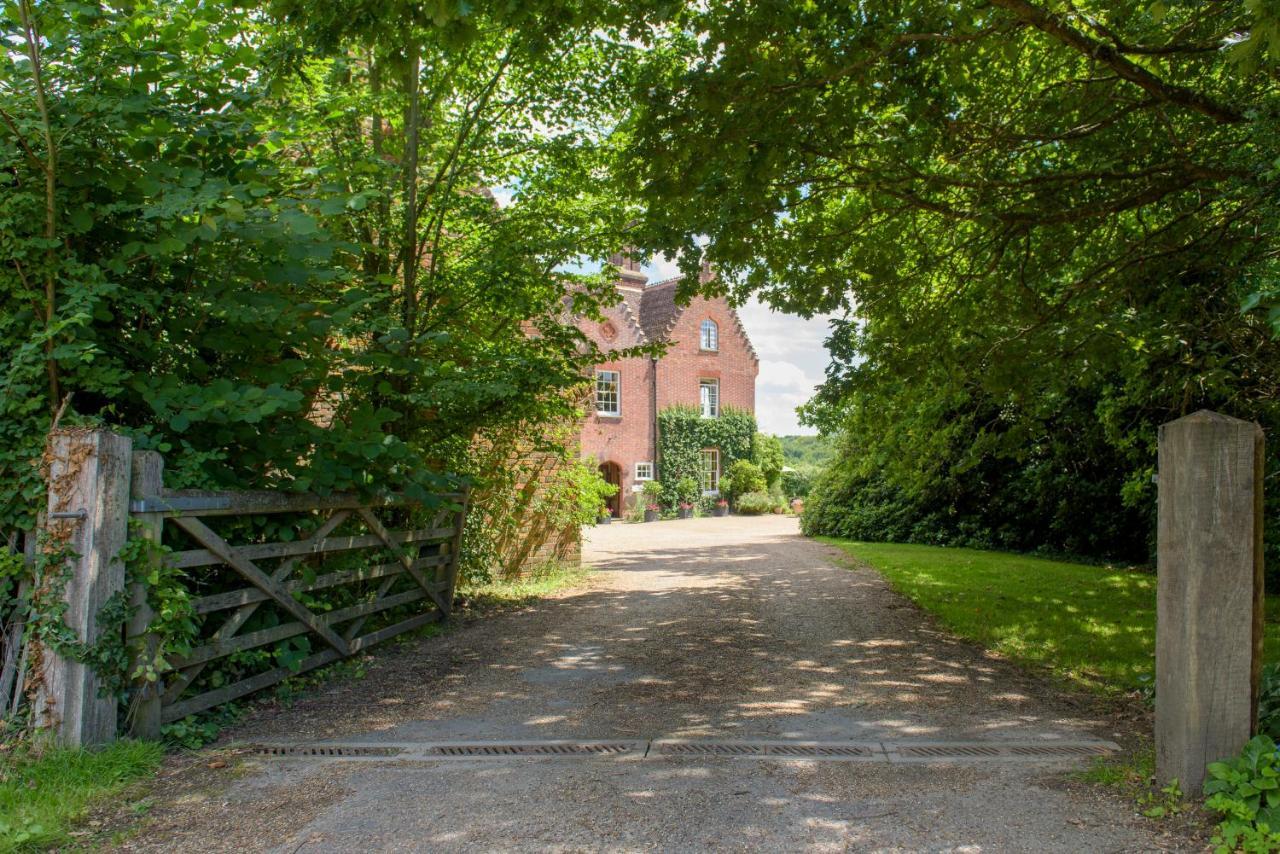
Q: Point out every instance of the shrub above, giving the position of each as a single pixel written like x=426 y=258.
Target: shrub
x=687 y=490
x=796 y=483
x=591 y=488
x=754 y=503
x=745 y=476
x=1269 y=701
x=766 y=452
x=1245 y=791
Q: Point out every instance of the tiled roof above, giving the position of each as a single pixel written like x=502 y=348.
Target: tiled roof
x=659 y=312
x=658 y=309
x=631 y=304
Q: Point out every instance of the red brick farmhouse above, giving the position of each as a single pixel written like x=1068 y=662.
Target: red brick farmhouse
x=709 y=363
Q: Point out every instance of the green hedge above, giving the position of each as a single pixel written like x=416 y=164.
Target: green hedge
x=683 y=433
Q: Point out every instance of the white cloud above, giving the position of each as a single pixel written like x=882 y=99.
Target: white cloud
x=793 y=361
x=660 y=269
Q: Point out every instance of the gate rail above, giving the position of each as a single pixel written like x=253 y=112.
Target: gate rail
x=388 y=566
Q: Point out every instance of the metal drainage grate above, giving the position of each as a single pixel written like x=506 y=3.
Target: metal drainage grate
x=739 y=748
x=325 y=750
x=1061 y=750
x=709 y=748
x=567 y=749
x=819 y=750
x=943 y=751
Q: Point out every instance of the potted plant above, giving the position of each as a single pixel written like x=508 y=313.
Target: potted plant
x=652 y=495
x=686 y=493
x=721 y=508
x=603 y=516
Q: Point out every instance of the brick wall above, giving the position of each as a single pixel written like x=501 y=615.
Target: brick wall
x=628 y=438
x=511 y=503
x=684 y=364
x=536 y=542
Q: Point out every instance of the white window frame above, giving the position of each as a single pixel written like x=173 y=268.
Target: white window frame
x=709 y=397
x=709 y=479
x=644 y=470
x=617 y=393
x=709 y=336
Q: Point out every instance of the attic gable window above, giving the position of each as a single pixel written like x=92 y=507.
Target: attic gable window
x=710 y=335
x=608 y=396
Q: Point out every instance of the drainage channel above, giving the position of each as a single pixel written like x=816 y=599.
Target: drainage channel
x=665 y=748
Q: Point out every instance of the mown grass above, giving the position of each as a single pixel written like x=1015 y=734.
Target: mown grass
x=43 y=792
x=1092 y=625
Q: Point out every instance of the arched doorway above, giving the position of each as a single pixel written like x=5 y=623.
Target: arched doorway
x=612 y=473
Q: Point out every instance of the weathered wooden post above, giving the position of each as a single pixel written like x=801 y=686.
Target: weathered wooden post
x=1209 y=593
x=86 y=525
x=144 y=713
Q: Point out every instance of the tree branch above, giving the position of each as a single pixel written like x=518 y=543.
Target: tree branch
x=1054 y=26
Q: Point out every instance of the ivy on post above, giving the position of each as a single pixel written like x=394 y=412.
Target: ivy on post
x=144 y=712
x=1209 y=593
x=86 y=527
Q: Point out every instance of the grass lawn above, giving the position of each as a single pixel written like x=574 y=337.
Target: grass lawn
x=42 y=793
x=1093 y=625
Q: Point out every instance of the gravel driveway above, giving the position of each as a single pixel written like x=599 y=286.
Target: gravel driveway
x=734 y=629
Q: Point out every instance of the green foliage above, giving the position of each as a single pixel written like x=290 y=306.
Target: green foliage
x=683 y=433
x=796 y=483
x=1269 y=701
x=744 y=477
x=221 y=266
x=583 y=479
x=44 y=790
x=1245 y=791
x=1037 y=240
x=806 y=453
x=686 y=490
x=1064 y=494
x=766 y=453
x=754 y=503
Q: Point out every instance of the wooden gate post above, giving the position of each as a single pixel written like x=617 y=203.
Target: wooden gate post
x=87 y=518
x=1209 y=593
x=144 y=713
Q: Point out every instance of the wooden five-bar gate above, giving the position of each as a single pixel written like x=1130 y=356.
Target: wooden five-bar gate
x=318 y=577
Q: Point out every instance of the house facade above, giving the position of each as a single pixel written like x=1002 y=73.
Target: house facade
x=709 y=363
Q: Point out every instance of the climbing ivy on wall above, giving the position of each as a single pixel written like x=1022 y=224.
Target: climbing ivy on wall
x=683 y=433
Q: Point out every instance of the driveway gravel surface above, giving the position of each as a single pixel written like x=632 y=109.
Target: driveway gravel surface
x=727 y=629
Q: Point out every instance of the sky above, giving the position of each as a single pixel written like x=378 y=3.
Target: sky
x=792 y=355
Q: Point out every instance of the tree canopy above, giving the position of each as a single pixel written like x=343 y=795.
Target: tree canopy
x=1046 y=227
x=263 y=237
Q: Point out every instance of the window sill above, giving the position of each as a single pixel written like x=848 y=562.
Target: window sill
x=603 y=416
x=702 y=352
